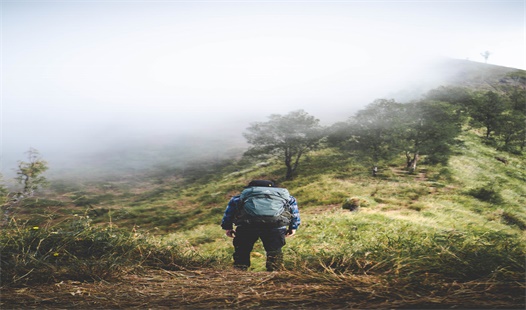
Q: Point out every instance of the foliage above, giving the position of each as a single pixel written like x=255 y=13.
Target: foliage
x=377 y=129
x=502 y=113
x=460 y=97
x=459 y=218
x=385 y=129
x=3 y=191
x=30 y=172
x=353 y=204
x=487 y=112
x=288 y=136
x=430 y=129
x=512 y=130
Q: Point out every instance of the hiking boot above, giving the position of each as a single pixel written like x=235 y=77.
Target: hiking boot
x=241 y=267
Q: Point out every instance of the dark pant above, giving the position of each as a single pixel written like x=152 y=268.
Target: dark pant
x=273 y=240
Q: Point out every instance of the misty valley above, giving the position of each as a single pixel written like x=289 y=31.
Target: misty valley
x=415 y=203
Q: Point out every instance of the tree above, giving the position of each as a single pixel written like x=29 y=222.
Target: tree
x=461 y=97
x=512 y=125
x=372 y=132
x=512 y=131
x=289 y=136
x=30 y=173
x=485 y=55
x=430 y=129
x=385 y=129
x=487 y=112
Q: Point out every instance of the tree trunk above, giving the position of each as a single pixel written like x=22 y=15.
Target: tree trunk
x=412 y=164
x=288 y=164
x=408 y=159
x=288 y=177
x=292 y=166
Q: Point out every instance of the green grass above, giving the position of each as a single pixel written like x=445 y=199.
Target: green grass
x=404 y=246
x=461 y=221
x=76 y=250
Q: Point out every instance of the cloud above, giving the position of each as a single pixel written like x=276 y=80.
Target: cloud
x=83 y=76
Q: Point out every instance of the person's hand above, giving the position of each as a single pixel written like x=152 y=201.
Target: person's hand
x=231 y=233
x=290 y=232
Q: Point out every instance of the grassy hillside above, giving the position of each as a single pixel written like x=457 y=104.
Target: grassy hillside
x=475 y=193
x=472 y=198
x=444 y=236
x=474 y=181
x=451 y=234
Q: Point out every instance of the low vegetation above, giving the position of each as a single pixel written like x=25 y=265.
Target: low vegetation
x=445 y=233
x=409 y=231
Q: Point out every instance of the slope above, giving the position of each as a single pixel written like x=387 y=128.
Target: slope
x=424 y=240
x=446 y=236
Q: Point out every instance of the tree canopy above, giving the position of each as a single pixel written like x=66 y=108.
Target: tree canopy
x=288 y=136
x=372 y=132
x=430 y=129
x=385 y=129
x=29 y=173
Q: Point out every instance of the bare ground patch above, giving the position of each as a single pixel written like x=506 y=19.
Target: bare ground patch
x=216 y=289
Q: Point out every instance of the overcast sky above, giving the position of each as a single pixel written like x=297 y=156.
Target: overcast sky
x=88 y=73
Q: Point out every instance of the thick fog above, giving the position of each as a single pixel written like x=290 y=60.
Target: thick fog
x=83 y=80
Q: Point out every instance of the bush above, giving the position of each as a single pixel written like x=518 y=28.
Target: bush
x=354 y=203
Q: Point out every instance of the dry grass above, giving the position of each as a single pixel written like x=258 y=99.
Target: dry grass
x=215 y=289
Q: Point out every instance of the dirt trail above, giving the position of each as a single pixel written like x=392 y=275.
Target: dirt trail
x=213 y=289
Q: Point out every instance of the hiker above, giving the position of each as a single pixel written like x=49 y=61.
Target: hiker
x=275 y=218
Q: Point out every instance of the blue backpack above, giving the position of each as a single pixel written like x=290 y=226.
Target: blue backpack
x=264 y=206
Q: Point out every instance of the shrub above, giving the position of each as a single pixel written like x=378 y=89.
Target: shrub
x=354 y=203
